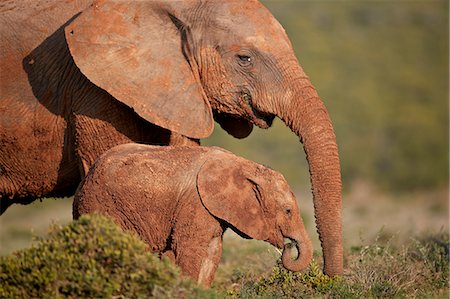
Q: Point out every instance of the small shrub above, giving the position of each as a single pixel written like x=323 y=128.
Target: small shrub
x=91 y=258
x=286 y=284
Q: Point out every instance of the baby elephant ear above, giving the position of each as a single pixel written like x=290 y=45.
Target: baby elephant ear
x=138 y=52
x=227 y=194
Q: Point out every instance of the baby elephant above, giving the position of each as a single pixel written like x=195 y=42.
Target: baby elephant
x=180 y=200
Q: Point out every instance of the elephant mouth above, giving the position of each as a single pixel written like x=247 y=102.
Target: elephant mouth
x=259 y=118
x=293 y=245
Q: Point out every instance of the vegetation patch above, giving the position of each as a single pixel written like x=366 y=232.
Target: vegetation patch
x=419 y=269
x=91 y=258
x=94 y=258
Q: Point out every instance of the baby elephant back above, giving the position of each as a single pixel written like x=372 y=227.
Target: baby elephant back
x=133 y=174
x=133 y=184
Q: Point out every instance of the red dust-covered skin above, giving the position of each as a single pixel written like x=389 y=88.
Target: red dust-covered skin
x=80 y=77
x=181 y=199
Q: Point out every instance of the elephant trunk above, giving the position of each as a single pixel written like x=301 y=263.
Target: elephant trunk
x=304 y=113
x=304 y=254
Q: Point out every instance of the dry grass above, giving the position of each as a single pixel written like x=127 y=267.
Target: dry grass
x=416 y=269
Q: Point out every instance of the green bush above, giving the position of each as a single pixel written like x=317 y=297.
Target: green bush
x=91 y=258
x=285 y=284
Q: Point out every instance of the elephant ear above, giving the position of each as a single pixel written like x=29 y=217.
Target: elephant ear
x=138 y=52
x=228 y=194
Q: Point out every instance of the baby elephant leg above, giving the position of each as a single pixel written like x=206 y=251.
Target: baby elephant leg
x=200 y=260
x=169 y=254
x=210 y=262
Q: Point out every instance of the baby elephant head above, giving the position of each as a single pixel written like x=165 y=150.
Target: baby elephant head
x=255 y=202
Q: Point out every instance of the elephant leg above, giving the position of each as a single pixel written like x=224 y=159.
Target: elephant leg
x=199 y=260
x=210 y=262
x=36 y=154
x=169 y=254
x=101 y=122
x=94 y=137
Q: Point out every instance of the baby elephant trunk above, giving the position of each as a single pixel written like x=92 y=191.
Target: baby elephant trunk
x=303 y=256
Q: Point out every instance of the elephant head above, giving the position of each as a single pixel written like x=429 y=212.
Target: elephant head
x=256 y=202
x=181 y=64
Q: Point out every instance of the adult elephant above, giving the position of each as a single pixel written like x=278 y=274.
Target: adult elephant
x=79 y=78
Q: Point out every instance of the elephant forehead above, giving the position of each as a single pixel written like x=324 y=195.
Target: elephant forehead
x=278 y=187
x=283 y=192
x=258 y=27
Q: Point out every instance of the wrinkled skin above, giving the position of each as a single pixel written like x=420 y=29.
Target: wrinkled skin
x=82 y=78
x=180 y=200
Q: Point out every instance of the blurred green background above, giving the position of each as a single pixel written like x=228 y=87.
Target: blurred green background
x=382 y=70
x=381 y=67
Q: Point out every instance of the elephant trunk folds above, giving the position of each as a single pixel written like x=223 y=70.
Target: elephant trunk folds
x=304 y=113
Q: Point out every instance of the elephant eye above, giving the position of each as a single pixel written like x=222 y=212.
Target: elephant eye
x=288 y=212
x=244 y=60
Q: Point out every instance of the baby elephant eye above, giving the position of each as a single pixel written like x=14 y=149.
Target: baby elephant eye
x=244 y=60
x=288 y=211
